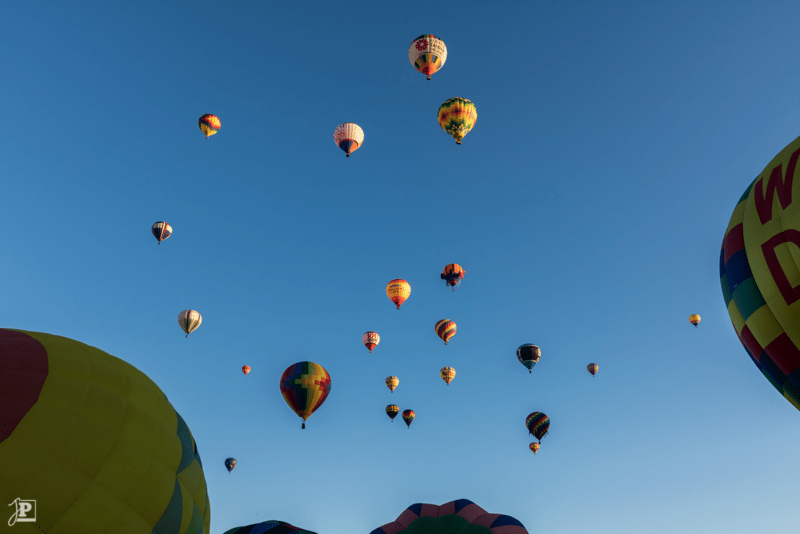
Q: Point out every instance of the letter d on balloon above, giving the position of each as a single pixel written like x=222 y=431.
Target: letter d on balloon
x=790 y=294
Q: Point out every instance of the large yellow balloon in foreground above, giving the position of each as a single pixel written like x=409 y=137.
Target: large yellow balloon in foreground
x=94 y=442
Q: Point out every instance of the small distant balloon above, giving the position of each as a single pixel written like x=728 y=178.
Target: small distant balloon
x=392 y=410
x=349 y=137
x=447 y=374
x=209 y=124
x=398 y=291
x=445 y=329
x=534 y=447
x=392 y=382
x=370 y=340
x=593 y=368
x=457 y=116
x=161 y=231
x=453 y=274
x=694 y=319
x=427 y=53
x=408 y=417
x=305 y=386
x=246 y=369
x=230 y=463
x=538 y=424
x=528 y=355
x=189 y=321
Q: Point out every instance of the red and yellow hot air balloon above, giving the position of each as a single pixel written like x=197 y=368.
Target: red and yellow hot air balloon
x=457 y=116
x=445 y=329
x=392 y=382
x=371 y=340
x=453 y=274
x=349 y=137
x=427 y=53
x=534 y=447
x=398 y=291
x=447 y=374
x=246 y=369
x=209 y=124
x=593 y=368
x=408 y=416
x=694 y=319
x=305 y=386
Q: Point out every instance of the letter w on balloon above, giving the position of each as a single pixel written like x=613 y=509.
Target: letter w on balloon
x=776 y=183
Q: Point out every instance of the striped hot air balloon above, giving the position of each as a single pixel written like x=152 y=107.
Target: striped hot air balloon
x=349 y=137
x=408 y=417
x=370 y=340
x=209 y=124
x=398 y=291
x=538 y=424
x=161 y=231
x=189 y=321
x=453 y=274
x=447 y=374
x=392 y=382
x=457 y=116
x=427 y=53
x=305 y=386
x=392 y=410
x=445 y=329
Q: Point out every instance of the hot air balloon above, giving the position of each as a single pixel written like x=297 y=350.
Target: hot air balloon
x=427 y=53
x=189 y=321
x=392 y=410
x=161 y=231
x=349 y=137
x=371 y=340
x=408 y=416
x=445 y=329
x=534 y=447
x=447 y=374
x=593 y=368
x=392 y=382
x=87 y=433
x=528 y=355
x=457 y=116
x=269 y=527
x=453 y=274
x=398 y=291
x=230 y=463
x=456 y=517
x=537 y=424
x=246 y=369
x=694 y=319
x=209 y=124
x=305 y=386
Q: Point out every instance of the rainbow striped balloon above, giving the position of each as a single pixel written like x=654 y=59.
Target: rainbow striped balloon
x=445 y=329
x=538 y=424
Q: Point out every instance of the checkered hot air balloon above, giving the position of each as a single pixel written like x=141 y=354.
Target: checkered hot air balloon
x=349 y=137
x=457 y=116
x=538 y=424
x=189 y=321
x=370 y=340
x=445 y=329
x=161 y=231
x=305 y=386
x=427 y=53
x=209 y=124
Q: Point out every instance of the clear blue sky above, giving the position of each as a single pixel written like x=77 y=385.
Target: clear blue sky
x=587 y=205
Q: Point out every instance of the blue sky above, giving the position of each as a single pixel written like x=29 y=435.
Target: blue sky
x=587 y=206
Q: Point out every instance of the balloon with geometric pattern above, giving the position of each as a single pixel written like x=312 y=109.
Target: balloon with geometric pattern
x=189 y=321
x=392 y=410
x=349 y=137
x=457 y=116
x=537 y=424
x=461 y=516
x=408 y=417
x=305 y=386
x=445 y=329
x=209 y=124
x=427 y=53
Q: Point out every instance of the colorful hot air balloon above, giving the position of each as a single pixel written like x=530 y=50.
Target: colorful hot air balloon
x=537 y=424
x=447 y=374
x=445 y=329
x=408 y=416
x=88 y=433
x=528 y=355
x=427 y=53
x=453 y=274
x=759 y=275
x=398 y=291
x=161 y=231
x=349 y=137
x=371 y=340
x=392 y=382
x=457 y=116
x=305 y=386
x=209 y=124
x=246 y=369
x=694 y=319
x=534 y=447
x=269 y=527
x=593 y=368
x=392 y=410
x=230 y=463
x=456 y=517
x=189 y=321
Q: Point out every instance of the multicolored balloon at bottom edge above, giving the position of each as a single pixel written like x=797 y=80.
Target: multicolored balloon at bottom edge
x=461 y=515
x=269 y=527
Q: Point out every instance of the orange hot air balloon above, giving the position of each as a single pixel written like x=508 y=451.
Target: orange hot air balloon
x=694 y=319
x=392 y=382
x=246 y=369
x=209 y=124
x=370 y=340
x=398 y=291
x=534 y=447
x=453 y=273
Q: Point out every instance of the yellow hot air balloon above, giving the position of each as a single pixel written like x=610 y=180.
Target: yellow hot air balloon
x=694 y=319
x=209 y=124
x=447 y=374
x=445 y=329
x=457 y=116
x=392 y=382
x=398 y=291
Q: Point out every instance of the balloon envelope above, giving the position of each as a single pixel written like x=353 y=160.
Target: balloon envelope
x=408 y=416
x=392 y=382
x=447 y=374
x=694 y=319
x=305 y=386
x=246 y=369
x=230 y=463
x=398 y=291
x=370 y=340
x=457 y=116
x=538 y=424
x=456 y=517
x=427 y=53
x=593 y=368
x=349 y=137
x=189 y=321
x=209 y=124
x=534 y=447
x=528 y=355
x=269 y=527
x=161 y=231
x=392 y=410
x=445 y=329
x=453 y=274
